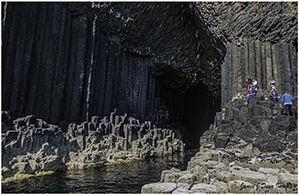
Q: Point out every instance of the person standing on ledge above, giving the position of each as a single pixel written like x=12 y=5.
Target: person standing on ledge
x=287 y=99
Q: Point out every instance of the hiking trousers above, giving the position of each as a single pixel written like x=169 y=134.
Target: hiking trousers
x=251 y=94
x=288 y=109
x=278 y=99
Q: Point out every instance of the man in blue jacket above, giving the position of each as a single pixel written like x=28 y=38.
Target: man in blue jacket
x=287 y=99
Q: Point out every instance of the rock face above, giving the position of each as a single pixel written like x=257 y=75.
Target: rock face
x=168 y=63
x=261 y=60
x=66 y=62
x=249 y=149
x=253 y=148
x=260 y=40
x=30 y=146
x=271 y=22
x=71 y=61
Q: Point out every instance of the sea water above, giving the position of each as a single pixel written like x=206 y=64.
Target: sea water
x=117 y=178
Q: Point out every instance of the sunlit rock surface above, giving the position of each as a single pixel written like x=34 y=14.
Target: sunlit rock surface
x=250 y=149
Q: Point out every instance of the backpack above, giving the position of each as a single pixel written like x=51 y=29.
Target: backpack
x=272 y=82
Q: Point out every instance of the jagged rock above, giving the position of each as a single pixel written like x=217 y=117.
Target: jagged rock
x=29 y=148
x=253 y=154
x=260 y=40
x=170 y=176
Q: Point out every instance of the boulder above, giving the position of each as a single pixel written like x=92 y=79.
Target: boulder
x=158 y=188
x=204 y=188
x=245 y=174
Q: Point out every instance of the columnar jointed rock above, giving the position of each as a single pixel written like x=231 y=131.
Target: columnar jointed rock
x=262 y=61
x=33 y=146
x=261 y=41
x=249 y=149
x=71 y=61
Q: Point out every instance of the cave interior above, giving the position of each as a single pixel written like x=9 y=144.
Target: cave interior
x=191 y=109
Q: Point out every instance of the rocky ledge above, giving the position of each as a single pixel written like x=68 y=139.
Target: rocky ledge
x=32 y=147
x=249 y=149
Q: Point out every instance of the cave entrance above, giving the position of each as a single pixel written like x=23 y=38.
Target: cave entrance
x=194 y=109
x=199 y=111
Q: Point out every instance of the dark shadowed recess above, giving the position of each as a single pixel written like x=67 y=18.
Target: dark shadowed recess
x=190 y=109
x=199 y=111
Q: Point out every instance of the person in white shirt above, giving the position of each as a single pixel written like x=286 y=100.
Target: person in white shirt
x=254 y=82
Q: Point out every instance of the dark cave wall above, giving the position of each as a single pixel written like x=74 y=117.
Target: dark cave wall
x=63 y=68
x=60 y=64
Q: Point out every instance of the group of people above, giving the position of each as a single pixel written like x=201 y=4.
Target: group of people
x=251 y=86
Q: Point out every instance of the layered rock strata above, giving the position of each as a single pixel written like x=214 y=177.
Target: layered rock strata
x=249 y=149
x=31 y=146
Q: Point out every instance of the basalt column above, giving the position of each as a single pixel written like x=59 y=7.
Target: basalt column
x=62 y=68
x=67 y=62
x=261 y=41
x=262 y=61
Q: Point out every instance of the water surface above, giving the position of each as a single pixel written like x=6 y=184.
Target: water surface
x=118 y=178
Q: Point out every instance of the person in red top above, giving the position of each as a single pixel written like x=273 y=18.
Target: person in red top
x=248 y=83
